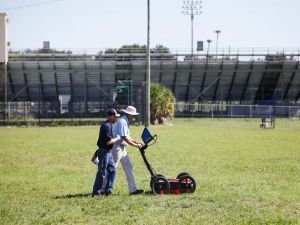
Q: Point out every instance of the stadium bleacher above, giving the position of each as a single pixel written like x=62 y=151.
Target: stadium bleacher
x=91 y=82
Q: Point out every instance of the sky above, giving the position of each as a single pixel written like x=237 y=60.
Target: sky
x=101 y=24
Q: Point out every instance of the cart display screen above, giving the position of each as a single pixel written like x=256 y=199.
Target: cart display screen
x=146 y=136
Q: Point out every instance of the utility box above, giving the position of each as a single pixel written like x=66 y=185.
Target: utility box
x=3 y=38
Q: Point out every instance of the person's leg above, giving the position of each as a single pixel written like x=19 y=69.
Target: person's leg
x=117 y=153
x=103 y=184
x=97 y=183
x=111 y=173
x=100 y=173
x=127 y=167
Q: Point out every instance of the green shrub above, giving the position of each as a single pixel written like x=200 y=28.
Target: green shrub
x=162 y=104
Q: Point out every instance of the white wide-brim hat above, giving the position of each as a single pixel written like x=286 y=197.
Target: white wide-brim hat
x=131 y=110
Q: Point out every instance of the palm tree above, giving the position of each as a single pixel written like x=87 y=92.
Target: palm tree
x=162 y=104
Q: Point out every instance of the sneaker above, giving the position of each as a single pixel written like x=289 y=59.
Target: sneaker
x=98 y=194
x=110 y=193
x=137 y=192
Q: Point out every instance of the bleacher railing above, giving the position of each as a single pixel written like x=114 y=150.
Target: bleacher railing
x=178 y=54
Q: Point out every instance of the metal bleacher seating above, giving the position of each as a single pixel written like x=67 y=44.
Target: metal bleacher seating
x=94 y=81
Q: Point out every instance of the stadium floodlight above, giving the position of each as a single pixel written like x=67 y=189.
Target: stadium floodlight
x=217 y=32
x=208 y=42
x=192 y=8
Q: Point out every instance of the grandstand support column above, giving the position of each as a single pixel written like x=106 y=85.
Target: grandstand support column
x=148 y=78
x=27 y=87
x=85 y=90
x=232 y=82
x=70 y=105
x=39 y=104
x=291 y=80
x=278 y=79
x=218 y=84
x=297 y=97
x=203 y=81
x=42 y=85
x=100 y=79
x=10 y=81
x=189 y=83
x=160 y=70
x=242 y=97
x=56 y=91
x=71 y=108
x=175 y=78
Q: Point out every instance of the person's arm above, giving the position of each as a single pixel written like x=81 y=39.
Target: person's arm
x=132 y=142
x=113 y=140
x=137 y=141
x=107 y=135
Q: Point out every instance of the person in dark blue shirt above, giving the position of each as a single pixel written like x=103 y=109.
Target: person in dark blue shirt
x=106 y=165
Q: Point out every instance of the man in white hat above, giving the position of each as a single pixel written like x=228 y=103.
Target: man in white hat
x=119 y=152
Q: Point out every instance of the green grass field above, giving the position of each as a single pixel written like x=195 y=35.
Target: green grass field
x=244 y=175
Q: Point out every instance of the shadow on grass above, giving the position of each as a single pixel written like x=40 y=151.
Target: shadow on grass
x=84 y=195
x=80 y=195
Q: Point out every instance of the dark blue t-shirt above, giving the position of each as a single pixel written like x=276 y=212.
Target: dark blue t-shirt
x=105 y=135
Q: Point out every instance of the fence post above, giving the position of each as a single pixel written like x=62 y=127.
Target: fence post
x=39 y=104
x=24 y=112
x=250 y=114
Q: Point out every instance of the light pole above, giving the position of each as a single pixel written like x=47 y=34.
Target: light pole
x=148 y=77
x=208 y=42
x=217 y=32
x=192 y=8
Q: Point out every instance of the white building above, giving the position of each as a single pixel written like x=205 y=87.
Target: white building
x=3 y=38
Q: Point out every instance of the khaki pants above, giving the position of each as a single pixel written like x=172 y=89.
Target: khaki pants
x=120 y=155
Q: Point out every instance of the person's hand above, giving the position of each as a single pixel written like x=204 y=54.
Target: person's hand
x=110 y=142
x=113 y=140
x=139 y=145
x=137 y=141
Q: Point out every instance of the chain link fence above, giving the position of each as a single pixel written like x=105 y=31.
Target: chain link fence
x=224 y=110
x=75 y=113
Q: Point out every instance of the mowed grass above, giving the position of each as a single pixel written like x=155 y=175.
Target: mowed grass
x=244 y=175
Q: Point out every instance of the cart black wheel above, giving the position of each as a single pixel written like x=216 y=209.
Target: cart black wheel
x=182 y=174
x=160 y=185
x=152 y=178
x=187 y=184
